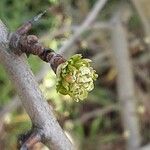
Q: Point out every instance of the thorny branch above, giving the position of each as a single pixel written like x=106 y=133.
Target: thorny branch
x=41 y=114
x=30 y=45
x=20 y=42
x=90 y=18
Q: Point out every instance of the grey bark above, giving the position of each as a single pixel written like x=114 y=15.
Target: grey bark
x=88 y=21
x=32 y=99
x=125 y=85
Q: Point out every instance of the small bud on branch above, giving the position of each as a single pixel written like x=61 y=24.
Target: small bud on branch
x=74 y=77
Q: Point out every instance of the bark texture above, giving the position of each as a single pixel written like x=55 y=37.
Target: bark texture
x=125 y=85
x=41 y=114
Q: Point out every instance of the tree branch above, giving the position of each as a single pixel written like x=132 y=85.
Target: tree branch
x=74 y=28
x=88 y=21
x=36 y=106
x=14 y=102
x=97 y=113
x=125 y=85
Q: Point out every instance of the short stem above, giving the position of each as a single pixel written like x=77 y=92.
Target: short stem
x=30 y=45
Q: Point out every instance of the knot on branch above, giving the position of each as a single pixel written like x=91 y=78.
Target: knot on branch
x=29 y=139
x=29 y=44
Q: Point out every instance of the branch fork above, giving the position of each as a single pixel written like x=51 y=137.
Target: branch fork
x=28 y=140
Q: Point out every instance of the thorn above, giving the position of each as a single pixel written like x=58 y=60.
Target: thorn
x=39 y=16
x=28 y=25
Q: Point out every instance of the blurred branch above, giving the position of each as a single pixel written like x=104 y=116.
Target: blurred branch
x=125 y=85
x=146 y=147
x=15 y=102
x=88 y=21
x=142 y=75
x=41 y=114
x=99 y=59
x=11 y=106
x=40 y=75
x=74 y=28
x=97 y=113
x=144 y=20
x=146 y=26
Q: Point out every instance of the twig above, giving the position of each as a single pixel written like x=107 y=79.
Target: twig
x=28 y=25
x=88 y=21
x=125 y=85
x=36 y=106
x=74 y=28
x=99 y=59
x=97 y=113
x=29 y=44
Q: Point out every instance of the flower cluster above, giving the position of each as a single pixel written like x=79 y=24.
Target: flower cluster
x=75 y=77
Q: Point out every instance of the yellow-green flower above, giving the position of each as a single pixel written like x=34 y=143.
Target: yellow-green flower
x=75 y=77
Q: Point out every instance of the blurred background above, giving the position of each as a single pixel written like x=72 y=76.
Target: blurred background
x=101 y=121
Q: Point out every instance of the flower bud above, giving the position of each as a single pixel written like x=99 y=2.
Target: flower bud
x=75 y=77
